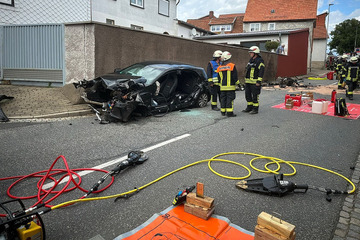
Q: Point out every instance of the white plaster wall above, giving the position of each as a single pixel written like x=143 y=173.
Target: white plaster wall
x=319 y=47
x=318 y=55
x=126 y=15
x=70 y=11
x=45 y=11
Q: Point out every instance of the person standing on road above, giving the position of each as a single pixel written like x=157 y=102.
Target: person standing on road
x=228 y=80
x=253 y=79
x=213 y=78
x=340 y=70
x=352 y=74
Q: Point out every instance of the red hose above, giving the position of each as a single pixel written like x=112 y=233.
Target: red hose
x=50 y=174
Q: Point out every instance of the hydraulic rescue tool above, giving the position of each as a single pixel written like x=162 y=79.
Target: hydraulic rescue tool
x=134 y=158
x=278 y=186
x=181 y=196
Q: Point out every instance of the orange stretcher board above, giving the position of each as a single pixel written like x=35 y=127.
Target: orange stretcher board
x=175 y=224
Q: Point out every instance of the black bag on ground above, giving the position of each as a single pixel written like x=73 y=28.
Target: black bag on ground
x=340 y=107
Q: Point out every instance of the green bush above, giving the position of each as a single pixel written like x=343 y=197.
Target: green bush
x=269 y=45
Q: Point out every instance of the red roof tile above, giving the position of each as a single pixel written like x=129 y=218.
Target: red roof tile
x=283 y=10
x=208 y=20
x=320 y=29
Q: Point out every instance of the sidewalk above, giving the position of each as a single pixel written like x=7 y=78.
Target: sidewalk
x=39 y=102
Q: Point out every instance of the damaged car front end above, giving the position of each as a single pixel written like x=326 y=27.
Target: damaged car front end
x=146 y=88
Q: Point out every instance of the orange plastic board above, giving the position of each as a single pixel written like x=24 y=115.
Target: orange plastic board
x=354 y=109
x=174 y=223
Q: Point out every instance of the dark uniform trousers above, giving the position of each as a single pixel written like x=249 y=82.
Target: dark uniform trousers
x=252 y=93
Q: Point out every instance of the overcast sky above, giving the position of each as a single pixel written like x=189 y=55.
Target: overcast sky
x=340 y=11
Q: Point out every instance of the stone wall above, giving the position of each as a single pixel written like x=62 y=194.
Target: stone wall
x=93 y=49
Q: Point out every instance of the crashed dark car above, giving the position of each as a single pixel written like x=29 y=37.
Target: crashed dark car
x=147 y=88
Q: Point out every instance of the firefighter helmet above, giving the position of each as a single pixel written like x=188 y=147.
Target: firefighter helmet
x=344 y=56
x=254 y=49
x=353 y=59
x=217 y=53
x=225 y=56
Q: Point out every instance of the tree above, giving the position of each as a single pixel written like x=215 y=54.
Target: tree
x=269 y=45
x=343 y=36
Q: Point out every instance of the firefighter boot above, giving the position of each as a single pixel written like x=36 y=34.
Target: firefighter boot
x=230 y=114
x=248 y=108
x=215 y=108
x=255 y=110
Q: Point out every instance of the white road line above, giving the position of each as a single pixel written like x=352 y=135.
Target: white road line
x=115 y=161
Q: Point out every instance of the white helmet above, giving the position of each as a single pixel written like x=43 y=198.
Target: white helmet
x=217 y=53
x=344 y=56
x=353 y=59
x=225 y=56
x=254 y=49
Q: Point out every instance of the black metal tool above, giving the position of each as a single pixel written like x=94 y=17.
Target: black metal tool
x=271 y=185
x=134 y=158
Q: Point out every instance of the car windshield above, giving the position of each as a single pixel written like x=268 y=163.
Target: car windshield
x=149 y=72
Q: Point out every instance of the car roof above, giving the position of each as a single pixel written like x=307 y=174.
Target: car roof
x=170 y=64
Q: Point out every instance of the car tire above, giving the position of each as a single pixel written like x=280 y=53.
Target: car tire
x=202 y=100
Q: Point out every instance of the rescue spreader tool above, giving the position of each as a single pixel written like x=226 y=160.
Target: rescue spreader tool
x=278 y=186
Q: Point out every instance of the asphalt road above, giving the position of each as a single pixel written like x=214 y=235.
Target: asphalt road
x=325 y=141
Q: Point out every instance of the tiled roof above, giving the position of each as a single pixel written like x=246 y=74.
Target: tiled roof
x=320 y=29
x=205 y=22
x=228 y=20
x=280 y=10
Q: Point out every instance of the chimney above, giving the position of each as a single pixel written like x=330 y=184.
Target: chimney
x=211 y=14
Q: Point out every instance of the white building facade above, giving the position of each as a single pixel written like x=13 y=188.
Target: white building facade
x=150 y=15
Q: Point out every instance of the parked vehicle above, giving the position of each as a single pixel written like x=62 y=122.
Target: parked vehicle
x=147 y=88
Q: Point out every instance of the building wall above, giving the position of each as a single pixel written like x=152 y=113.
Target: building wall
x=118 y=47
x=45 y=11
x=71 y=11
x=318 y=57
x=294 y=63
x=126 y=15
x=291 y=25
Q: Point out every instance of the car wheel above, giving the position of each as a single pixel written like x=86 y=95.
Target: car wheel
x=202 y=100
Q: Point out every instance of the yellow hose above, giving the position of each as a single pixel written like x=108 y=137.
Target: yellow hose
x=318 y=78
x=272 y=160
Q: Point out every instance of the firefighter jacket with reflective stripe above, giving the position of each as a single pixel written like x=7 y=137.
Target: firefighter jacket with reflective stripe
x=213 y=76
x=228 y=77
x=255 y=70
x=352 y=72
x=340 y=68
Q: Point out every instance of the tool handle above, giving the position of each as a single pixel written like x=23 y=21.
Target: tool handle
x=302 y=186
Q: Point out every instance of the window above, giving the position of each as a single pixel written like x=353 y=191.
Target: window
x=164 y=7
x=138 y=3
x=218 y=28
x=271 y=26
x=136 y=27
x=110 y=21
x=7 y=2
x=254 y=27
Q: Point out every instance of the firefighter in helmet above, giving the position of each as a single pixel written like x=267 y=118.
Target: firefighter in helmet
x=213 y=78
x=340 y=70
x=352 y=74
x=228 y=80
x=253 y=78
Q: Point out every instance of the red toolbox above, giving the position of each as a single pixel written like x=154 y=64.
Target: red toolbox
x=295 y=97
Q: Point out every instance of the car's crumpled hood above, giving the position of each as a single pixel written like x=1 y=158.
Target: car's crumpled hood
x=113 y=81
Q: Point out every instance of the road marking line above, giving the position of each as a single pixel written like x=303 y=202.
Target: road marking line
x=112 y=162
